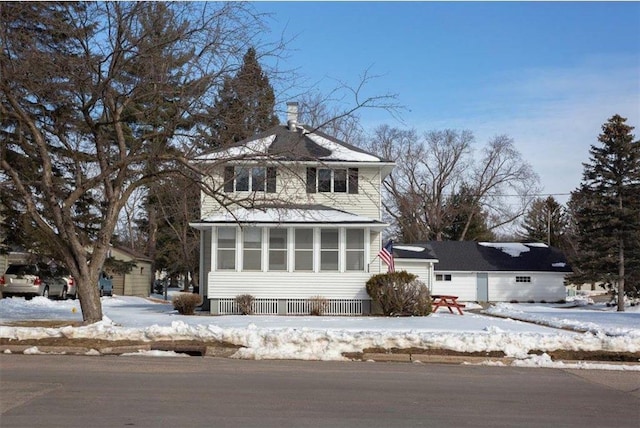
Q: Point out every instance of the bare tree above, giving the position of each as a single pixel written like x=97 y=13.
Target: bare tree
x=318 y=112
x=99 y=100
x=91 y=96
x=431 y=172
x=501 y=173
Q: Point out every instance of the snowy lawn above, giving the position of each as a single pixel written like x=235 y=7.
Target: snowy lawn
x=327 y=338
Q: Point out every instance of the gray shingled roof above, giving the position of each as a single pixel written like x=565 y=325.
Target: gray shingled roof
x=427 y=254
x=299 y=145
x=475 y=257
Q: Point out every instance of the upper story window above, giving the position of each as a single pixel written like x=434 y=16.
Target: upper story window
x=523 y=279
x=443 y=277
x=249 y=179
x=325 y=180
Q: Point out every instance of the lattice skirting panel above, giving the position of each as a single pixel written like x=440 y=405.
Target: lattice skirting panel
x=296 y=306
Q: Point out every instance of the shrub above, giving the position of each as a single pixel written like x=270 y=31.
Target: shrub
x=317 y=305
x=245 y=303
x=185 y=303
x=400 y=294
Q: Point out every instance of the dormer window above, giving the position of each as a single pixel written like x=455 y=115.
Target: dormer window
x=249 y=179
x=325 y=180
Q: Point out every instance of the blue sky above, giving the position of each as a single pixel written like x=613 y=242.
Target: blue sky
x=547 y=74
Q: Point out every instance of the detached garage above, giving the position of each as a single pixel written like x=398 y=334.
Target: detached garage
x=495 y=271
x=136 y=282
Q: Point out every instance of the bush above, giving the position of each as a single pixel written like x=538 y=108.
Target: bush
x=399 y=294
x=185 y=303
x=245 y=303
x=317 y=305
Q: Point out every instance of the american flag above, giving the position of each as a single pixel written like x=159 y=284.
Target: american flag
x=386 y=255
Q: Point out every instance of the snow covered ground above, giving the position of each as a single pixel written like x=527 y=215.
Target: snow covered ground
x=593 y=328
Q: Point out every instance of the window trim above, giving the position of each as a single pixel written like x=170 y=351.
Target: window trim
x=268 y=178
x=297 y=250
x=233 y=249
x=333 y=250
x=361 y=251
x=350 y=179
x=284 y=250
x=252 y=250
x=341 y=251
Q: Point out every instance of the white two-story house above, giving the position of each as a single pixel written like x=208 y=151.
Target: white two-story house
x=294 y=214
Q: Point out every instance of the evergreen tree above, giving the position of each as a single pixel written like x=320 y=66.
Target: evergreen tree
x=546 y=221
x=243 y=107
x=606 y=212
x=461 y=206
x=245 y=104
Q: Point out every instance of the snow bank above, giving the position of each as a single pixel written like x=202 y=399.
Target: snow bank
x=329 y=338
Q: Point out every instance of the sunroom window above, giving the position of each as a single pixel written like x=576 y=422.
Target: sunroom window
x=355 y=249
x=329 y=250
x=278 y=249
x=252 y=248
x=303 y=250
x=226 y=248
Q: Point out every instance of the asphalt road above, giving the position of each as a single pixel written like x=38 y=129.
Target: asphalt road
x=120 y=391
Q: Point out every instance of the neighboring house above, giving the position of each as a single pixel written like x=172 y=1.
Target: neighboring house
x=297 y=215
x=137 y=282
x=12 y=257
x=493 y=271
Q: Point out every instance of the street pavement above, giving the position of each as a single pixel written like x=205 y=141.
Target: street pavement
x=112 y=391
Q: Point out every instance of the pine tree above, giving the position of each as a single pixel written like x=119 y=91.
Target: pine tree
x=606 y=211
x=546 y=221
x=245 y=104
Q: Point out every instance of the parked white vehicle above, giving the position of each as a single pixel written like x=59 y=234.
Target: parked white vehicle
x=31 y=280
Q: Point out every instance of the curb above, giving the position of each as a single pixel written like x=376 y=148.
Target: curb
x=228 y=352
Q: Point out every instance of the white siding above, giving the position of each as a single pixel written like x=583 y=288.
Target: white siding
x=548 y=286
x=291 y=284
x=376 y=265
x=421 y=268
x=288 y=285
x=291 y=187
x=462 y=284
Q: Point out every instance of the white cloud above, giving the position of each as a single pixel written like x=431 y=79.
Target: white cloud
x=553 y=114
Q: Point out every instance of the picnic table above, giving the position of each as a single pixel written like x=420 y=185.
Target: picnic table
x=445 y=301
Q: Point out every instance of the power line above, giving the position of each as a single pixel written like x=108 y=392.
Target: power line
x=533 y=194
